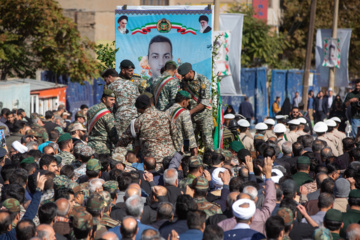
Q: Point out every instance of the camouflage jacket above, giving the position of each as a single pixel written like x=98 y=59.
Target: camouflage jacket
x=40 y=132
x=164 y=95
x=199 y=89
x=104 y=132
x=126 y=93
x=67 y=158
x=108 y=222
x=209 y=208
x=184 y=126
x=140 y=83
x=100 y=228
x=186 y=181
x=155 y=133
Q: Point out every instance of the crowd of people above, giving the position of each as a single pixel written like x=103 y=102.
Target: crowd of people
x=131 y=167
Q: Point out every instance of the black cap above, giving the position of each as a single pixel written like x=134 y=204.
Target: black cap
x=203 y=18
x=127 y=64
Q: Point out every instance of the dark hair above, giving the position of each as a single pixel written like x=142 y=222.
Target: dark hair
x=46 y=160
x=292 y=127
x=63 y=144
x=166 y=162
x=63 y=192
x=297 y=149
x=135 y=177
x=195 y=219
x=289 y=188
x=80 y=234
x=213 y=232
x=5 y=222
x=269 y=152
x=307 y=141
x=289 y=203
x=92 y=174
x=15 y=191
x=235 y=184
x=54 y=135
x=86 y=106
x=47 y=213
x=4 y=111
x=332 y=225
x=325 y=200
x=7 y=170
x=279 y=192
x=179 y=98
x=49 y=184
x=185 y=162
x=355 y=153
x=327 y=186
x=25 y=232
x=49 y=115
x=18 y=125
x=317 y=145
x=273 y=226
x=159 y=39
x=331 y=168
x=114 y=174
x=302 y=166
x=217 y=158
x=19 y=176
x=124 y=180
x=150 y=165
x=165 y=211
x=185 y=204
x=67 y=171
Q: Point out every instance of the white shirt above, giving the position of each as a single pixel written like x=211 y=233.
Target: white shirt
x=241 y=226
x=330 y=101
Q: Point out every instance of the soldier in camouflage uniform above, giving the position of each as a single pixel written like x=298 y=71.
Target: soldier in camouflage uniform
x=38 y=127
x=83 y=221
x=95 y=206
x=86 y=152
x=13 y=206
x=67 y=157
x=165 y=87
x=195 y=163
x=182 y=118
x=101 y=129
x=201 y=186
x=153 y=129
x=288 y=216
x=126 y=93
x=106 y=220
x=61 y=181
x=127 y=73
x=200 y=104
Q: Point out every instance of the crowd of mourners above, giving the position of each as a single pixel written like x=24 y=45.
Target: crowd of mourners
x=289 y=180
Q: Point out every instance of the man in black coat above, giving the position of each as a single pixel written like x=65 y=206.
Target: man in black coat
x=320 y=107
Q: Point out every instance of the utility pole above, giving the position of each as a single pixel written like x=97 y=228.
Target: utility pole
x=216 y=15
x=334 y=35
x=308 y=53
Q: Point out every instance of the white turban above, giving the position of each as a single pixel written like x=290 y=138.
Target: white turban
x=244 y=213
x=279 y=174
x=216 y=179
x=19 y=147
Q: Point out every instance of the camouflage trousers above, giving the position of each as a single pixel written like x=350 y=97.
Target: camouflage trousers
x=121 y=125
x=204 y=127
x=100 y=147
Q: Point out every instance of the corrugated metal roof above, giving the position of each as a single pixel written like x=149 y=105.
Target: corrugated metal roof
x=35 y=85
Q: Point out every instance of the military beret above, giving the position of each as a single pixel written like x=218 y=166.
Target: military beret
x=2 y=152
x=93 y=165
x=354 y=193
x=28 y=160
x=111 y=186
x=236 y=146
x=82 y=220
x=123 y=17
x=12 y=205
x=95 y=202
x=108 y=93
x=303 y=160
x=184 y=69
x=64 y=137
x=287 y=215
x=185 y=94
x=127 y=64
x=203 y=18
x=334 y=215
x=79 y=114
x=195 y=161
x=201 y=183
x=170 y=63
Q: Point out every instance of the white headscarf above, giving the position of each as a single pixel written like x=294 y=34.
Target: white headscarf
x=216 y=179
x=19 y=147
x=241 y=212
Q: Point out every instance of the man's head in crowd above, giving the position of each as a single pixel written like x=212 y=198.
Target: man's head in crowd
x=129 y=227
x=108 y=98
x=48 y=163
x=25 y=229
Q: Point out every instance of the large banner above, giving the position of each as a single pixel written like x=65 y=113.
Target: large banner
x=341 y=71
x=150 y=37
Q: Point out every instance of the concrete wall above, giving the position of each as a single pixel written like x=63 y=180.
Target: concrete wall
x=15 y=96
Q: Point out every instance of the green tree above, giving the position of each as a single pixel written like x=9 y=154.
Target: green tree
x=106 y=55
x=295 y=25
x=260 y=45
x=34 y=34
